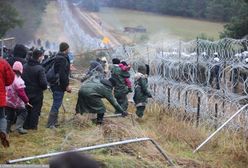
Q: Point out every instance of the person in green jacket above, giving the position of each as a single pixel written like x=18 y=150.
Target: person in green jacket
x=90 y=98
x=141 y=92
x=121 y=89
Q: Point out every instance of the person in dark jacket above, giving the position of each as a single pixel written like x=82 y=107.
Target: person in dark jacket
x=90 y=95
x=62 y=67
x=141 y=92
x=36 y=82
x=215 y=72
x=121 y=89
x=19 y=54
x=95 y=69
x=6 y=78
x=96 y=66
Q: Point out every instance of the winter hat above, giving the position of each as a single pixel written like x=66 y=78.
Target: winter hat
x=63 y=46
x=124 y=63
x=104 y=59
x=18 y=66
x=216 y=59
x=215 y=54
x=142 y=69
x=246 y=60
x=20 y=51
x=115 y=61
x=37 y=54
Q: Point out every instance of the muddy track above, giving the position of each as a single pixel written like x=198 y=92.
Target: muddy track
x=91 y=26
x=82 y=22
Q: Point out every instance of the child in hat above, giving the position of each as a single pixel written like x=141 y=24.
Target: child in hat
x=17 y=100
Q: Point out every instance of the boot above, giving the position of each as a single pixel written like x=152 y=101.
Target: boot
x=4 y=139
x=99 y=119
x=52 y=120
x=19 y=125
x=124 y=114
x=22 y=131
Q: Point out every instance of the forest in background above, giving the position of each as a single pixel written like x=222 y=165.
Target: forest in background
x=234 y=12
x=21 y=18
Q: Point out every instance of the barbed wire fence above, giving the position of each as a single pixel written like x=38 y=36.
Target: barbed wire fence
x=80 y=39
x=183 y=74
x=182 y=77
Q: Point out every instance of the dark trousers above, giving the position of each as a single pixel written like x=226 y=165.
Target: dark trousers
x=140 y=111
x=215 y=76
x=15 y=116
x=122 y=101
x=3 y=121
x=32 y=119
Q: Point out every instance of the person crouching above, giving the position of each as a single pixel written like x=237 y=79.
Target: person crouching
x=141 y=92
x=90 y=95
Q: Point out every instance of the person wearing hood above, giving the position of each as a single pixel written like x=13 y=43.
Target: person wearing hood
x=141 y=92
x=96 y=69
x=35 y=79
x=121 y=89
x=16 y=101
x=90 y=98
x=19 y=54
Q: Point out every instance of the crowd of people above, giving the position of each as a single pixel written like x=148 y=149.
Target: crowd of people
x=24 y=78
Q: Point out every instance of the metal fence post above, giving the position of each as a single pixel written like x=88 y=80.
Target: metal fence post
x=198 y=110
x=216 y=115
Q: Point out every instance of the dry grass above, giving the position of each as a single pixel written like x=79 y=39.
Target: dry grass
x=176 y=136
x=180 y=138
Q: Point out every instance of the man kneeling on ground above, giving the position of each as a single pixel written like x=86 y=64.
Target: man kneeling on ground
x=90 y=95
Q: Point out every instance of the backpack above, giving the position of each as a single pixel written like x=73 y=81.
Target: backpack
x=48 y=63
x=52 y=77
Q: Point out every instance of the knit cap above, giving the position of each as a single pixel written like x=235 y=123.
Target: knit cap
x=63 y=46
x=17 y=66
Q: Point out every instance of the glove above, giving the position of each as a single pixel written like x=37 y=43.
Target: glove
x=124 y=114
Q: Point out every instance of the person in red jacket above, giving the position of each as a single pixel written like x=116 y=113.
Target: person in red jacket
x=6 y=78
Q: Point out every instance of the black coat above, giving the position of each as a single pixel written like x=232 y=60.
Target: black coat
x=35 y=79
x=61 y=66
x=19 y=54
x=12 y=60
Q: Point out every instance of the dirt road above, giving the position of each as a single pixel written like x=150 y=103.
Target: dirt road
x=92 y=26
